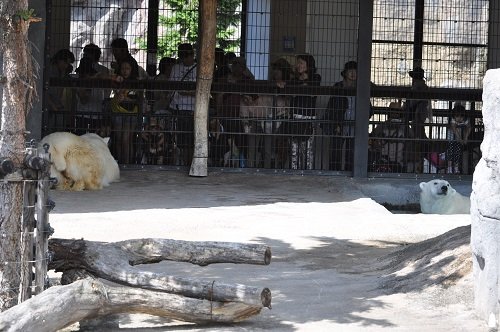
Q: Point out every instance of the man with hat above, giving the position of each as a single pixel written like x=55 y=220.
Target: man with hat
x=418 y=111
x=341 y=116
x=417 y=73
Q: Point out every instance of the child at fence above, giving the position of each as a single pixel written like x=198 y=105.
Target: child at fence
x=387 y=148
x=457 y=135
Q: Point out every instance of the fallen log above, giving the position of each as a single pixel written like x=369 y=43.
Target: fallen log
x=60 y=306
x=115 y=262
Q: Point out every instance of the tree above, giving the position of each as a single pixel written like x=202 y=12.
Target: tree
x=17 y=82
x=204 y=81
x=181 y=25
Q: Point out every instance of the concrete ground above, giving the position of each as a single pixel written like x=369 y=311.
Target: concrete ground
x=326 y=233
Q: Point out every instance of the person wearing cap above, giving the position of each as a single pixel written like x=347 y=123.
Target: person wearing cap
x=182 y=102
x=418 y=112
x=341 y=116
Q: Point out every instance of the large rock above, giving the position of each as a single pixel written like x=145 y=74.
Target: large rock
x=106 y=21
x=485 y=207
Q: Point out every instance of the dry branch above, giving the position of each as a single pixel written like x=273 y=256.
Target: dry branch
x=60 y=306
x=114 y=262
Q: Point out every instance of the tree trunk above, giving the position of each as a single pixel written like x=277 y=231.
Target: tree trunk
x=16 y=82
x=199 y=165
x=114 y=262
x=60 y=306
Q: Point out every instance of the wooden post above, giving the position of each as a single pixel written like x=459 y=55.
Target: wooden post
x=42 y=231
x=17 y=93
x=199 y=165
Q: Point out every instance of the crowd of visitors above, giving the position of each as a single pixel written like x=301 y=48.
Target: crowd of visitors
x=239 y=122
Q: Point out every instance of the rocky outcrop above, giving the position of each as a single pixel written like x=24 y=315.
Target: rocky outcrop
x=485 y=207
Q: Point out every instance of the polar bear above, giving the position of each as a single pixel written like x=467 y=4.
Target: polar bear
x=439 y=197
x=81 y=162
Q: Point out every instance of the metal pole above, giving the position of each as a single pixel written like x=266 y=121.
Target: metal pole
x=418 y=34
x=363 y=89
x=153 y=15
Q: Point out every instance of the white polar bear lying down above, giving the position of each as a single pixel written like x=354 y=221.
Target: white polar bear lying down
x=81 y=162
x=438 y=197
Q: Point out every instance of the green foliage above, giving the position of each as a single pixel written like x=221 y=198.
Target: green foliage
x=26 y=14
x=180 y=25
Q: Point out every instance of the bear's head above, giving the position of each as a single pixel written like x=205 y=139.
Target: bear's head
x=437 y=188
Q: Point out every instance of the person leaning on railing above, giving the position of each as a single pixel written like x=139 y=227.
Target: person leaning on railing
x=300 y=126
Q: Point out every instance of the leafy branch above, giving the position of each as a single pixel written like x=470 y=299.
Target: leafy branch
x=26 y=15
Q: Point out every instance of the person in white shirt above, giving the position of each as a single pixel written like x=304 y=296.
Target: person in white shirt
x=182 y=102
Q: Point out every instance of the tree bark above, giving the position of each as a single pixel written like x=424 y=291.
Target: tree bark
x=114 y=262
x=16 y=83
x=199 y=166
x=60 y=306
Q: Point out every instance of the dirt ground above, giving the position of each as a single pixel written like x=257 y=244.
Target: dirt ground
x=341 y=261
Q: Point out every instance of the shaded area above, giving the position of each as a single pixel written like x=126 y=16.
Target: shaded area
x=404 y=208
x=441 y=261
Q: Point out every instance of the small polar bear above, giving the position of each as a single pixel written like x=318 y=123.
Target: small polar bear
x=439 y=197
x=80 y=162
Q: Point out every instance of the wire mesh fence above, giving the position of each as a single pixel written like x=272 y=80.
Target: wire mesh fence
x=285 y=82
x=26 y=266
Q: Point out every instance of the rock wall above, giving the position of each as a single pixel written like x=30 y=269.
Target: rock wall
x=485 y=207
x=101 y=21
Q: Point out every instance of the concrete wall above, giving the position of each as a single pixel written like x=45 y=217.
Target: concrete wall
x=288 y=20
x=326 y=29
x=60 y=25
x=332 y=36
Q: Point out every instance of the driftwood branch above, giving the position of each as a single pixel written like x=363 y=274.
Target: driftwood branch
x=60 y=306
x=115 y=262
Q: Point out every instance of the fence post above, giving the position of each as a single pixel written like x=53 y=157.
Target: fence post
x=28 y=222
x=43 y=229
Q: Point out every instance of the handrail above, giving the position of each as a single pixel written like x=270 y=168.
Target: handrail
x=265 y=87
